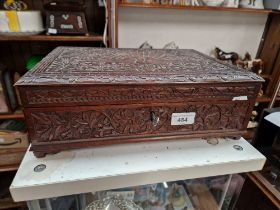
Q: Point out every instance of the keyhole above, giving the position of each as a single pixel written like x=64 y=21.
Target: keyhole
x=154 y=118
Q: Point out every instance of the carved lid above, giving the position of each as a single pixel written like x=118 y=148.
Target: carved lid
x=86 y=65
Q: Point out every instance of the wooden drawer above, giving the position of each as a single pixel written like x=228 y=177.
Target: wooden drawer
x=72 y=127
x=12 y=156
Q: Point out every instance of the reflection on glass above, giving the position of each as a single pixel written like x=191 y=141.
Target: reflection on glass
x=215 y=193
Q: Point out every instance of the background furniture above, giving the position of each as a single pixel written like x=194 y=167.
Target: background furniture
x=262 y=194
x=17 y=49
x=203 y=28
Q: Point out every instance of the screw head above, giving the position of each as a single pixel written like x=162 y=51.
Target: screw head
x=238 y=148
x=40 y=168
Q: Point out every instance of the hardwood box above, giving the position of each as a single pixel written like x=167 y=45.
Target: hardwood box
x=78 y=97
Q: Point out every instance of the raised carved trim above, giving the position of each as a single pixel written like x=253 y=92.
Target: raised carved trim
x=101 y=95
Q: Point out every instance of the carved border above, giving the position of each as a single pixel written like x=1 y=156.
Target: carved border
x=106 y=95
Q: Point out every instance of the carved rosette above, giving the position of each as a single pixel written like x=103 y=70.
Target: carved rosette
x=96 y=124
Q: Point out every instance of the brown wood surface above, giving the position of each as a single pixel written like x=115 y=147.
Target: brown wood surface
x=69 y=95
x=266 y=76
x=109 y=30
x=8 y=203
x=116 y=23
x=272 y=88
x=11 y=157
x=9 y=167
x=18 y=114
x=133 y=120
x=46 y=38
x=167 y=6
x=271 y=45
x=263 y=99
x=268 y=190
x=249 y=135
x=254 y=196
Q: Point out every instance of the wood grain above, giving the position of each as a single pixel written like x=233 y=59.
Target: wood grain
x=272 y=194
x=8 y=203
x=15 y=115
x=167 y=6
x=46 y=38
x=271 y=45
x=11 y=157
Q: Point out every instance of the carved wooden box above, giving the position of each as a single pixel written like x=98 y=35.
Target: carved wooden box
x=81 y=97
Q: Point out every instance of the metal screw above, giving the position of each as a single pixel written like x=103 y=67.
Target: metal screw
x=237 y=147
x=40 y=168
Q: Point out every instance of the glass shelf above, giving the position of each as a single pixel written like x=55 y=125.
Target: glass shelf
x=219 y=192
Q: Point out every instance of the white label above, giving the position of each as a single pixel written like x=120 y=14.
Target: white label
x=52 y=21
x=80 y=23
x=52 y=31
x=240 y=98
x=128 y=195
x=185 y=118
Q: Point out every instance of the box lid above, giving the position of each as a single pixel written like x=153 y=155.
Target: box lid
x=87 y=65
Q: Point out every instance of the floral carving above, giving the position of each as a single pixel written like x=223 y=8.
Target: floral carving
x=84 y=65
x=117 y=122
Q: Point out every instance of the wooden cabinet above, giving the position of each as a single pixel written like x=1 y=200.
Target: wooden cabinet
x=16 y=50
x=269 y=52
x=258 y=194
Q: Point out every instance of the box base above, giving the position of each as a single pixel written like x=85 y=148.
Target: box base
x=42 y=149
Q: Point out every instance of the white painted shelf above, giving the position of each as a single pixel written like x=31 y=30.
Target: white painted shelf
x=111 y=167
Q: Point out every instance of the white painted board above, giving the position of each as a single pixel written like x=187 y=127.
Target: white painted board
x=199 y=30
x=111 y=167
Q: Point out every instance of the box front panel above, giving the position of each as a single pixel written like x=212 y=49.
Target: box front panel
x=102 y=123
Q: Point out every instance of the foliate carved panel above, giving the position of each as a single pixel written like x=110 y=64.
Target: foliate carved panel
x=99 y=95
x=48 y=126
